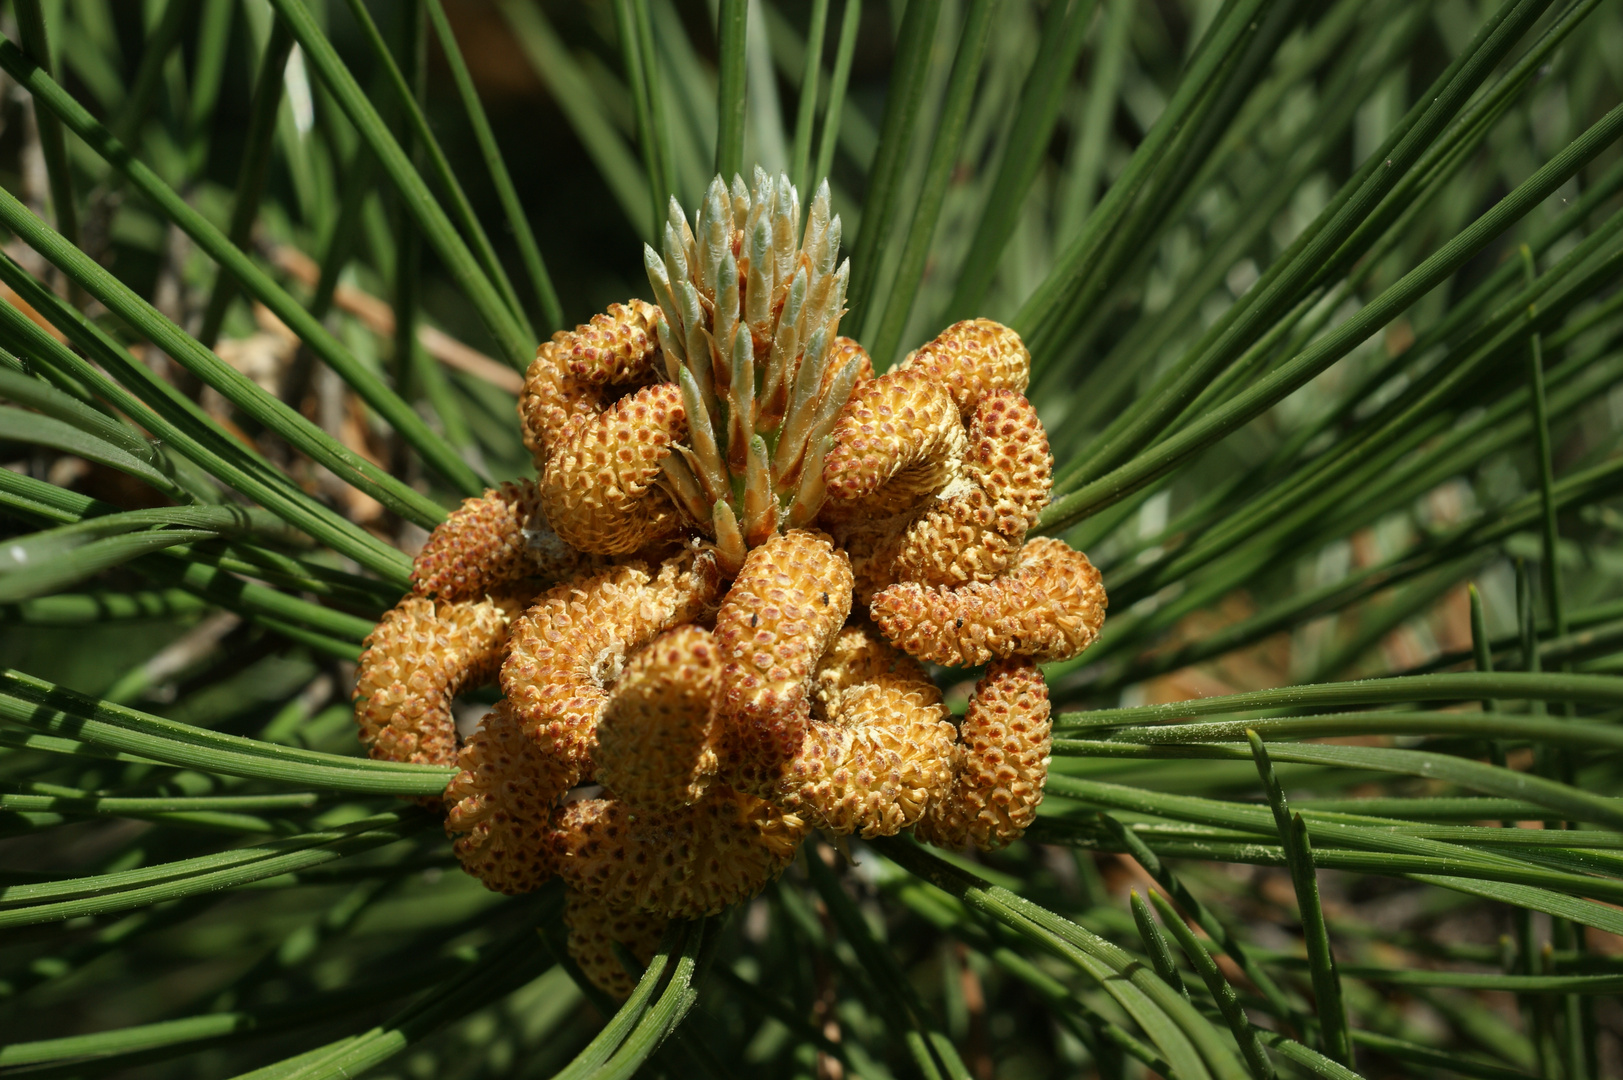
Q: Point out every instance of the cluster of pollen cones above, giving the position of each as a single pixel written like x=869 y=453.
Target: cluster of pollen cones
x=709 y=613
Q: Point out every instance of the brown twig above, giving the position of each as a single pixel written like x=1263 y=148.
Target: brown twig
x=378 y=316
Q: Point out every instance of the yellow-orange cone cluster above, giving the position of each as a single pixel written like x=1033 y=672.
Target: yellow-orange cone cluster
x=707 y=614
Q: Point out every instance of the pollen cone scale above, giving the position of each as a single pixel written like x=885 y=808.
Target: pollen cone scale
x=422 y=654
x=500 y=805
x=595 y=929
x=879 y=747
x=653 y=746
x=781 y=615
x=489 y=542
x=1049 y=606
x=684 y=863
x=1000 y=761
